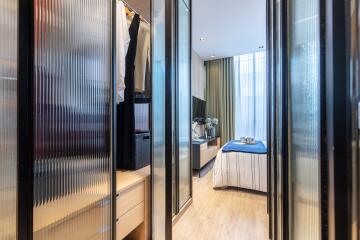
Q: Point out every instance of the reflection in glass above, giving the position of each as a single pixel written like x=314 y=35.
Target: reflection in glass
x=72 y=119
x=183 y=95
x=278 y=108
x=304 y=136
x=8 y=118
x=158 y=116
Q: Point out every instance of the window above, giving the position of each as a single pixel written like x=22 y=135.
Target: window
x=250 y=95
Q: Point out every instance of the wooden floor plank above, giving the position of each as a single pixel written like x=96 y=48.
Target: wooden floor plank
x=223 y=214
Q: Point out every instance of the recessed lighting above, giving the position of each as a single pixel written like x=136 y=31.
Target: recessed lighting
x=212 y=56
x=202 y=39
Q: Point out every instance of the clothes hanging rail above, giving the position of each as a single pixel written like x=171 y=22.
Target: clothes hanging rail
x=134 y=10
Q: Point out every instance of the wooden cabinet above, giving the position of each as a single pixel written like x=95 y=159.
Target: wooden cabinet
x=204 y=151
x=86 y=211
x=133 y=204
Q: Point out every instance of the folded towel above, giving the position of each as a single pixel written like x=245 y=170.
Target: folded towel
x=238 y=146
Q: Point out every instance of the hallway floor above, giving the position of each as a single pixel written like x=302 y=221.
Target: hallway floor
x=223 y=214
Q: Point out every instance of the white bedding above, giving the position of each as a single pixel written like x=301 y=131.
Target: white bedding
x=238 y=169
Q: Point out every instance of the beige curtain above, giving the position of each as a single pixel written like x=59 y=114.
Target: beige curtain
x=220 y=96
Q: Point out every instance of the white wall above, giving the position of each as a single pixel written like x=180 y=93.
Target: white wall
x=230 y=27
x=198 y=76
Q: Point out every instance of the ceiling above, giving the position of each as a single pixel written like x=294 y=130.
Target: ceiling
x=140 y=6
x=230 y=27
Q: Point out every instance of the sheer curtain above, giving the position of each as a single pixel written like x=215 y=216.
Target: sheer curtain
x=250 y=95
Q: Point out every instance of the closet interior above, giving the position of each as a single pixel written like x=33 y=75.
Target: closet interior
x=133 y=114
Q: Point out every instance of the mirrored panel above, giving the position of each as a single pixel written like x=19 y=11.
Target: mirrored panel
x=184 y=102
x=158 y=119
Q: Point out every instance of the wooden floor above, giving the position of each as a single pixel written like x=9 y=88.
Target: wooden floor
x=223 y=214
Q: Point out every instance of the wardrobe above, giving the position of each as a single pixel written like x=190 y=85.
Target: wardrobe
x=133 y=148
x=133 y=88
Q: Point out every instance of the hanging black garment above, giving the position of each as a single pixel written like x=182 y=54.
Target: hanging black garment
x=125 y=110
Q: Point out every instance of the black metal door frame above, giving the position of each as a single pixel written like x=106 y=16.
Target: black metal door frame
x=338 y=33
x=25 y=120
x=178 y=208
x=169 y=111
x=113 y=121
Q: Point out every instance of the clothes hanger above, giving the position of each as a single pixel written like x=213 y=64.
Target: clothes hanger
x=131 y=12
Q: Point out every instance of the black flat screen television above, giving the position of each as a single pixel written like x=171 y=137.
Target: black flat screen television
x=199 y=109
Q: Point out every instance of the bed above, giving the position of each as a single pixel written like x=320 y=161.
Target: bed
x=241 y=165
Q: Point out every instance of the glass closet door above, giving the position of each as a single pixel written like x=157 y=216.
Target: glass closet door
x=8 y=118
x=184 y=103
x=158 y=120
x=304 y=119
x=72 y=88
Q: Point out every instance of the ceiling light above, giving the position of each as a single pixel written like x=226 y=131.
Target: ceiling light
x=202 y=39
x=212 y=56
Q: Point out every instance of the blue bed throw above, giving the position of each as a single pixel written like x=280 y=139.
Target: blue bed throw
x=237 y=146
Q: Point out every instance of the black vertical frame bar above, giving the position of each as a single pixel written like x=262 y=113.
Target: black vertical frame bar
x=169 y=113
x=151 y=212
x=270 y=105
x=179 y=208
x=279 y=225
x=113 y=120
x=323 y=183
x=191 y=106
x=176 y=191
x=338 y=109
x=285 y=118
x=25 y=120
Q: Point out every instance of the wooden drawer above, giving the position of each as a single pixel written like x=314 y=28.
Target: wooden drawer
x=130 y=198
x=130 y=220
x=208 y=155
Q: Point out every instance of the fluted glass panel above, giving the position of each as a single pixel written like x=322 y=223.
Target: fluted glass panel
x=158 y=122
x=304 y=42
x=8 y=118
x=72 y=119
x=184 y=104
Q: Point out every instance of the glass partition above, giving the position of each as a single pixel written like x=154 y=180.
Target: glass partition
x=184 y=102
x=72 y=76
x=8 y=118
x=171 y=109
x=158 y=119
x=304 y=119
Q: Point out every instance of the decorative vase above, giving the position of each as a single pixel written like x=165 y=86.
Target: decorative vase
x=211 y=133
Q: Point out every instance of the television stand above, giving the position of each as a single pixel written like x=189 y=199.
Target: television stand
x=204 y=150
